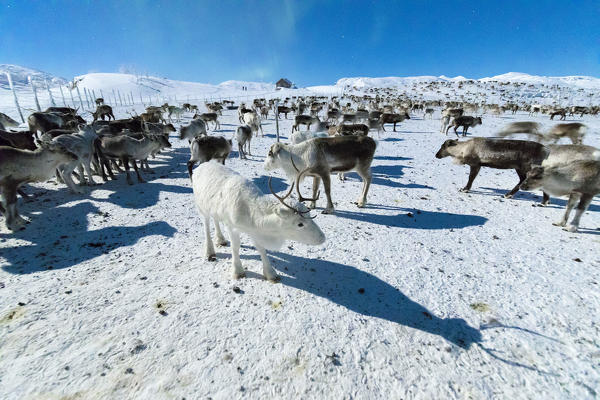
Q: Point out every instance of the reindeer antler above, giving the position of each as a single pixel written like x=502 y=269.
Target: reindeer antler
x=281 y=200
x=298 y=179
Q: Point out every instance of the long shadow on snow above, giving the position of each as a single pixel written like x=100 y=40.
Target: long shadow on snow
x=277 y=183
x=529 y=196
x=380 y=172
x=140 y=195
x=340 y=283
x=392 y=158
x=61 y=239
x=420 y=220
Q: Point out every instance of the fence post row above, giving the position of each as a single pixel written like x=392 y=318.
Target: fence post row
x=10 y=83
x=87 y=100
x=62 y=95
x=79 y=95
x=49 y=93
x=37 y=103
x=72 y=99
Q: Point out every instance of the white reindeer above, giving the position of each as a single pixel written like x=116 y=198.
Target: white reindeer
x=253 y=121
x=81 y=144
x=227 y=197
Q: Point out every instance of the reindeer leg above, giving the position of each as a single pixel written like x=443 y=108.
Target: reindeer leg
x=24 y=195
x=472 y=175
x=545 y=200
x=14 y=221
x=573 y=199
x=208 y=245
x=316 y=184
x=125 y=161
x=81 y=177
x=327 y=184
x=139 y=177
x=522 y=176
x=88 y=170
x=583 y=205
x=219 y=238
x=236 y=263
x=66 y=171
x=365 y=174
x=268 y=270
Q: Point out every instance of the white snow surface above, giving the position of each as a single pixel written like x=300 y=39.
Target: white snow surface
x=586 y=82
x=19 y=76
x=425 y=293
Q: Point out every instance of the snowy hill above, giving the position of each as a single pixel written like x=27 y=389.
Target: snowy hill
x=19 y=76
x=150 y=86
x=576 y=82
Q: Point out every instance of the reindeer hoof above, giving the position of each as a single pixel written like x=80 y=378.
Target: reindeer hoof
x=570 y=228
x=212 y=257
x=274 y=279
x=222 y=243
x=464 y=190
x=239 y=275
x=559 y=223
x=328 y=211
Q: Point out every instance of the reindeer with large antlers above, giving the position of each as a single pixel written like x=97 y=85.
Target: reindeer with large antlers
x=320 y=157
x=225 y=196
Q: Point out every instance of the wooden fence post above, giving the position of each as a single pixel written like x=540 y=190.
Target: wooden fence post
x=80 y=100
x=49 y=93
x=72 y=99
x=62 y=95
x=10 y=83
x=37 y=103
x=277 y=119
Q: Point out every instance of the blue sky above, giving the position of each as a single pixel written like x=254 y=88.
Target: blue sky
x=310 y=42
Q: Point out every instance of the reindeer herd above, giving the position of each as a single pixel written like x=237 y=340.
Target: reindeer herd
x=328 y=135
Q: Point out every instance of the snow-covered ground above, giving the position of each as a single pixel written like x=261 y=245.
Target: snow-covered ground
x=425 y=293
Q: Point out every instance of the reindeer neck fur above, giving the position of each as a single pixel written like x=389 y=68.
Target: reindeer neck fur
x=301 y=154
x=143 y=147
x=31 y=166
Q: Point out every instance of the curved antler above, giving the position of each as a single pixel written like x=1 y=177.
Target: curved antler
x=281 y=199
x=298 y=179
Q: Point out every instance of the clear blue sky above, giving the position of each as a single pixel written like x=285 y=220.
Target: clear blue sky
x=310 y=42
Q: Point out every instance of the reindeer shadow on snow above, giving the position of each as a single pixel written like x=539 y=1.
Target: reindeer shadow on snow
x=142 y=195
x=420 y=219
x=60 y=238
x=555 y=202
x=340 y=284
x=379 y=300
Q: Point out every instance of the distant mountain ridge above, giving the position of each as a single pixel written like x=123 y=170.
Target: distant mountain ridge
x=584 y=82
x=19 y=76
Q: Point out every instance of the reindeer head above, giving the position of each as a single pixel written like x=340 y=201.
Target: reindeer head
x=295 y=221
x=443 y=151
x=534 y=178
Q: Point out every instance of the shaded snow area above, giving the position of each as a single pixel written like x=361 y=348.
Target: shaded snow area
x=425 y=293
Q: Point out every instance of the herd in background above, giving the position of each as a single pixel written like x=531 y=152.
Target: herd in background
x=59 y=142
